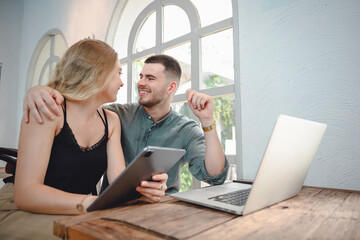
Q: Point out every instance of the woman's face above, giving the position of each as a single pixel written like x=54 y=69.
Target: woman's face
x=114 y=84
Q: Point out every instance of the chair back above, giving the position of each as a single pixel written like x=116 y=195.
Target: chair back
x=9 y=155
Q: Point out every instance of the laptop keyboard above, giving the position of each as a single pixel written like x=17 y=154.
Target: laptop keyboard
x=237 y=198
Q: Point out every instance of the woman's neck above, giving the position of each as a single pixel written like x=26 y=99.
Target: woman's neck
x=84 y=108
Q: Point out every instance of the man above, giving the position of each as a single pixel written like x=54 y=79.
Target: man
x=151 y=121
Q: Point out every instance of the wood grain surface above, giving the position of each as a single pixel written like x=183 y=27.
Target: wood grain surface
x=313 y=214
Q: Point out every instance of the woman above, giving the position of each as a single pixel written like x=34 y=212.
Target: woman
x=60 y=162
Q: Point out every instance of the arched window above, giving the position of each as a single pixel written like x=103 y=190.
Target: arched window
x=48 y=52
x=198 y=33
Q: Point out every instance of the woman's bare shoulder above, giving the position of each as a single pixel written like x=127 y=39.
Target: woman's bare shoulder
x=113 y=119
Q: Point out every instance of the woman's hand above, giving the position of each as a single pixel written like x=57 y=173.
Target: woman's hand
x=152 y=191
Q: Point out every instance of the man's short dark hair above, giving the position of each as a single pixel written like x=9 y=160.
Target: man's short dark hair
x=172 y=66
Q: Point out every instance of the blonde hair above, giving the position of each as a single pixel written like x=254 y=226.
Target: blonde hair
x=84 y=70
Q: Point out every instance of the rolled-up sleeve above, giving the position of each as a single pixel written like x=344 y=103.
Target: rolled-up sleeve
x=195 y=156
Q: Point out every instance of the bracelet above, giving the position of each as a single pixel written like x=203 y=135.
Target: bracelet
x=209 y=128
x=80 y=207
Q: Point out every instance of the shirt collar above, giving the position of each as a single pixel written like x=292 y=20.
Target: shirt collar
x=161 y=121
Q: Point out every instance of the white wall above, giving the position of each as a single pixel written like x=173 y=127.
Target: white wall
x=302 y=58
x=23 y=24
x=11 y=14
x=299 y=58
x=76 y=19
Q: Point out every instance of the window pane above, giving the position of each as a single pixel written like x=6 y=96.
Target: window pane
x=183 y=54
x=225 y=120
x=183 y=108
x=128 y=16
x=217 y=60
x=224 y=117
x=186 y=179
x=232 y=174
x=122 y=93
x=52 y=69
x=212 y=11
x=147 y=34
x=48 y=52
x=60 y=46
x=40 y=62
x=48 y=71
x=173 y=15
x=137 y=66
x=44 y=77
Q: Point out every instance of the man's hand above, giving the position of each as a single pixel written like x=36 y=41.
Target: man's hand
x=152 y=191
x=202 y=106
x=40 y=99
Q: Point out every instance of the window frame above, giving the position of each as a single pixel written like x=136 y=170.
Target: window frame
x=194 y=37
x=48 y=36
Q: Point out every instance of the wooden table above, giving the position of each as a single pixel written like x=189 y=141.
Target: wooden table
x=313 y=214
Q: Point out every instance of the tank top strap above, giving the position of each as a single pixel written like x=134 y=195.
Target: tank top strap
x=104 y=120
x=64 y=109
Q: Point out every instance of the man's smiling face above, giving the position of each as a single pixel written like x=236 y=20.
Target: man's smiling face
x=152 y=86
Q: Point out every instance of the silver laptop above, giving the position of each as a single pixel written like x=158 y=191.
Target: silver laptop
x=286 y=162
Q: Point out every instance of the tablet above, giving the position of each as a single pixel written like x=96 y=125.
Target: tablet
x=151 y=161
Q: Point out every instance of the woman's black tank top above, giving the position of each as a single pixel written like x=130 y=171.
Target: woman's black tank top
x=73 y=168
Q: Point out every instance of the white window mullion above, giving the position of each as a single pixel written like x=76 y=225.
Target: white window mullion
x=159 y=27
x=216 y=92
x=129 y=80
x=216 y=27
x=237 y=91
x=195 y=63
x=177 y=41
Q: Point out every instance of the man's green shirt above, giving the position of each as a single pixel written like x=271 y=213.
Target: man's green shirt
x=138 y=130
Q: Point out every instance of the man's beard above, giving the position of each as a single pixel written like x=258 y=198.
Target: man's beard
x=151 y=103
x=148 y=104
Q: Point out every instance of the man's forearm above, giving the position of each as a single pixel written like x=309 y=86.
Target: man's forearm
x=214 y=153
